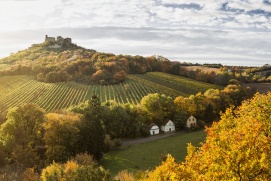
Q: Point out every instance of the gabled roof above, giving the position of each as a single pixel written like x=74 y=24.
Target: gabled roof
x=152 y=124
x=192 y=117
x=166 y=121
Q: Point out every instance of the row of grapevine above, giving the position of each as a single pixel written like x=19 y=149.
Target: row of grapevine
x=159 y=88
x=188 y=85
x=10 y=83
x=22 y=93
x=177 y=83
x=23 y=89
x=17 y=90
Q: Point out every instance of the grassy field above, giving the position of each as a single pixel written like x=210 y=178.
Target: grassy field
x=18 y=90
x=148 y=155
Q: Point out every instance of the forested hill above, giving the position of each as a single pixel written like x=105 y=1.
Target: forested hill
x=53 y=63
x=60 y=60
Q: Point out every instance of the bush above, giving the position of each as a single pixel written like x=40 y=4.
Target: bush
x=71 y=170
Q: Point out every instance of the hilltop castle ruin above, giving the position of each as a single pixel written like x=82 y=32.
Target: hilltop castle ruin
x=57 y=42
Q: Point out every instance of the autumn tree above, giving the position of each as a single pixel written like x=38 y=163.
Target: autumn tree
x=21 y=132
x=236 y=93
x=185 y=105
x=61 y=136
x=137 y=64
x=169 y=170
x=236 y=148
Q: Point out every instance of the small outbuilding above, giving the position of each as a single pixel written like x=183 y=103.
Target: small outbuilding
x=168 y=126
x=191 y=121
x=154 y=129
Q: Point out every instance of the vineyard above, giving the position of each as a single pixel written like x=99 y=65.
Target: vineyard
x=18 y=90
x=173 y=85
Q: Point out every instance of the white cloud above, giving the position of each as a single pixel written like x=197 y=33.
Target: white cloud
x=205 y=28
x=141 y=13
x=249 y=5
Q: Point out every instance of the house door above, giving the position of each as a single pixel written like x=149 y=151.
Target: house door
x=169 y=129
x=153 y=132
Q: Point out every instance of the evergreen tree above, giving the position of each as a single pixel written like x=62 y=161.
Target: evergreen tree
x=92 y=133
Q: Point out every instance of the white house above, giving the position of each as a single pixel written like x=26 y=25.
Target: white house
x=154 y=129
x=191 y=121
x=168 y=126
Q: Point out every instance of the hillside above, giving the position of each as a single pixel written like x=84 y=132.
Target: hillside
x=17 y=90
x=59 y=60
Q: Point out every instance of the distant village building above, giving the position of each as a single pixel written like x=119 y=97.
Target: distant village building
x=168 y=126
x=57 y=42
x=154 y=129
x=191 y=121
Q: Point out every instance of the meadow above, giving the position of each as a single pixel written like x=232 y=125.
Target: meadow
x=148 y=155
x=21 y=89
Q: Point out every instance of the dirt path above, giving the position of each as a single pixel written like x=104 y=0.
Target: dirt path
x=128 y=142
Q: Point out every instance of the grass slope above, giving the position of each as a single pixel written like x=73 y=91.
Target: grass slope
x=17 y=90
x=148 y=155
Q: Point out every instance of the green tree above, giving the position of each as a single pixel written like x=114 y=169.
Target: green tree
x=137 y=121
x=92 y=133
x=116 y=121
x=158 y=107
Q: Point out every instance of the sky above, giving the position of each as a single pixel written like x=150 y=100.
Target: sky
x=230 y=32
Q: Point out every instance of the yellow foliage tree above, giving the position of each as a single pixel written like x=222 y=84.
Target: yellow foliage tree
x=168 y=170
x=236 y=148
